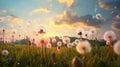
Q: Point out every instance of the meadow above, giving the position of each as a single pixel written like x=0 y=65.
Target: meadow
x=30 y=56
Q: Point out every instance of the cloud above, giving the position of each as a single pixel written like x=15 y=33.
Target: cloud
x=72 y=20
x=69 y=2
x=3 y=11
x=39 y=10
x=109 y=4
x=116 y=25
x=14 y=19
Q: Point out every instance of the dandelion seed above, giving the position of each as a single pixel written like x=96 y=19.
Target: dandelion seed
x=117 y=47
x=5 y=52
x=83 y=47
x=76 y=62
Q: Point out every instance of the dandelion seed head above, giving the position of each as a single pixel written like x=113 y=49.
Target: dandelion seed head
x=77 y=41
x=92 y=31
x=117 y=47
x=66 y=40
x=49 y=45
x=59 y=43
x=69 y=45
x=80 y=31
x=83 y=47
x=5 y=52
x=86 y=34
x=54 y=40
x=109 y=36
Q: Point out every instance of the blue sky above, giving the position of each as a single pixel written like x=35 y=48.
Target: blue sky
x=61 y=17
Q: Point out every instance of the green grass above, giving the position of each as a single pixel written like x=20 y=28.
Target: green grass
x=25 y=56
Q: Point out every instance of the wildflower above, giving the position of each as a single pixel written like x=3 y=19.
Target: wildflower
x=5 y=52
x=80 y=32
x=48 y=45
x=53 y=40
x=117 y=47
x=92 y=31
x=109 y=36
x=59 y=43
x=66 y=40
x=83 y=47
x=77 y=41
x=69 y=45
x=2 y=19
x=76 y=62
x=98 y=16
x=86 y=34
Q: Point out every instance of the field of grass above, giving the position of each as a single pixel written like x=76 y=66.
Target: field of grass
x=25 y=56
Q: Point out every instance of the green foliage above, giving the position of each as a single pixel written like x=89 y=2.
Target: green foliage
x=25 y=56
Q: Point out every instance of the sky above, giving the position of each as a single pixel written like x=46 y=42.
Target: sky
x=60 y=17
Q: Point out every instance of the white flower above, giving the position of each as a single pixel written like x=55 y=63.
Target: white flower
x=92 y=31
x=117 y=47
x=109 y=36
x=48 y=45
x=44 y=41
x=54 y=40
x=76 y=41
x=98 y=16
x=59 y=43
x=86 y=34
x=76 y=62
x=66 y=40
x=73 y=44
x=5 y=52
x=69 y=45
x=42 y=29
x=83 y=47
x=80 y=31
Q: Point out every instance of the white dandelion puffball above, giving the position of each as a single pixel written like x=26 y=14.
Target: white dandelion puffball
x=44 y=41
x=66 y=40
x=83 y=47
x=117 y=47
x=80 y=31
x=54 y=40
x=5 y=52
x=86 y=34
x=92 y=31
x=69 y=45
x=109 y=36
x=59 y=43
x=49 y=45
x=76 y=41
x=98 y=16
